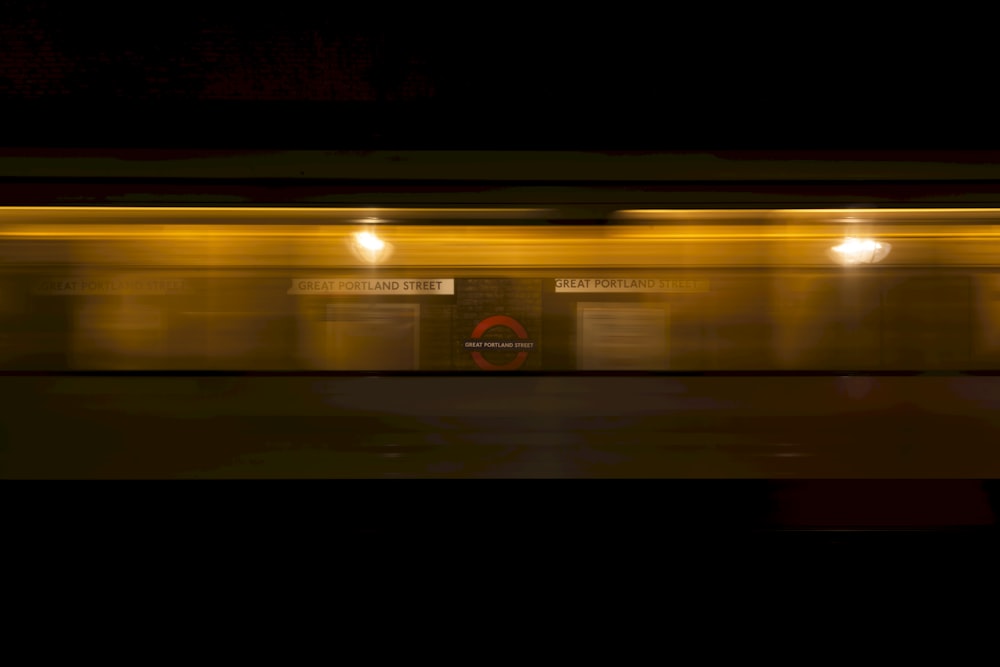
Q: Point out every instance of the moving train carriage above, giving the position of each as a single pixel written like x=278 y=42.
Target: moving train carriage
x=435 y=290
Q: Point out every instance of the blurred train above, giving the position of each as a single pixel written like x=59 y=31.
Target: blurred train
x=380 y=290
x=607 y=329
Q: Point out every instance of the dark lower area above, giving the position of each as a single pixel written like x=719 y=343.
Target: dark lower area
x=426 y=515
x=484 y=454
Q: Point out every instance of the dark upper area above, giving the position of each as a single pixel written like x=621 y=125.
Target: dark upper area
x=296 y=76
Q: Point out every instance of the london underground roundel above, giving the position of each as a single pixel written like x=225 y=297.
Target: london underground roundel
x=519 y=343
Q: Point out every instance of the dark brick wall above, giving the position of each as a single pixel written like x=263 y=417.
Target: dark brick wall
x=479 y=298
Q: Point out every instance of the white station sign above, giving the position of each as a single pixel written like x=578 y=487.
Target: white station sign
x=404 y=286
x=112 y=286
x=605 y=285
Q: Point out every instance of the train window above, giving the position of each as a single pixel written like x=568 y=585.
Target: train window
x=926 y=322
x=232 y=322
x=120 y=332
x=369 y=336
x=737 y=324
x=113 y=320
x=827 y=321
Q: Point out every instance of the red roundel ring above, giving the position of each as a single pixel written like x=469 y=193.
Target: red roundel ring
x=499 y=321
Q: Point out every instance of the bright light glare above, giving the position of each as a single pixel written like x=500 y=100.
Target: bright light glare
x=860 y=251
x=369 y=241
x=370 y=248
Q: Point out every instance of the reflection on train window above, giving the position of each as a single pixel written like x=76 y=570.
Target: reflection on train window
x=369 y=336
x=621 y=336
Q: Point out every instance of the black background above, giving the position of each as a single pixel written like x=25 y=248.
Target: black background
x=187 y=76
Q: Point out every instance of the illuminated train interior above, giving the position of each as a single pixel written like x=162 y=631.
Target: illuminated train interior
x=503 y=342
